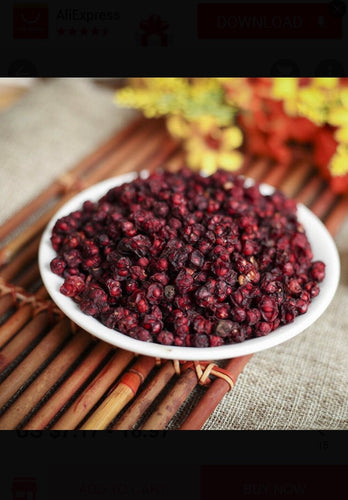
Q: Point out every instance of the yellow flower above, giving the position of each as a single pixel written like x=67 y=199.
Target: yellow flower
x=343 y=96
x=178 y=127
x=232 y=138
x=338 y=116
x=206 y=124
x=285 y=88
x=208 y=162
x=339 y=162
x=341 y=135
x=328 y=83
x=230 y=161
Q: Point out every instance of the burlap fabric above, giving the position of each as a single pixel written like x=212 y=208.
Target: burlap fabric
x=301 y=384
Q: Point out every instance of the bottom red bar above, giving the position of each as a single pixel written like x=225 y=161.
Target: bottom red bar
x=272 y=481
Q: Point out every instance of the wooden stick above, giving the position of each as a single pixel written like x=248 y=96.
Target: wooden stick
x=123 y=392
x=29 y=276
x=336 y=217
x=67 y=390
x=322 y=205
x=256 y=170
x=276 y=175
x=27 y=254
x=57 y=187
x=296 y=177
x=47 y=378
x=214 y=395
x=6 y=301
x=160 y=156
x=41 y=293
x=95 y=390
x=146 y=398
x=34 y=360
x=15 y=323
x=134 y=155
x=21 y=341
x=172 y=402
x=8 y=251
x=310 y=191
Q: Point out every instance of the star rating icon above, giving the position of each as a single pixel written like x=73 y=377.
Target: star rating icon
x=83 y=32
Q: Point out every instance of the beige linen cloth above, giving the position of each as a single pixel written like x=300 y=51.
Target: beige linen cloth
x=301 y=384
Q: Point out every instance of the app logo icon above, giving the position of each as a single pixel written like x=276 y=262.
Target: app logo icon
x=30 y=21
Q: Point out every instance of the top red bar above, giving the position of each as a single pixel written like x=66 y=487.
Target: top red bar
x=267 y=20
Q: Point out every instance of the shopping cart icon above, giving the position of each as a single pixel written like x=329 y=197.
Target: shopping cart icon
x=24 y=488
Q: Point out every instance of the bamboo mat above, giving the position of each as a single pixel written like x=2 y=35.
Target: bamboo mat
x=56 y=376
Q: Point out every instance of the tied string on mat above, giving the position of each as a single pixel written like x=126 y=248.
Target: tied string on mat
x=203 y=369
x=20 y=298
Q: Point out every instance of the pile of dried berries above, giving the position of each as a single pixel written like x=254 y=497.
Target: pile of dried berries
x=182 y=259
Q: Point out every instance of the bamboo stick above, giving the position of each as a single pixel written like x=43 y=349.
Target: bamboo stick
x=336 y=217
x=15 y=323
x=276 y=175
x=95 y=390
x=6 y=301
x=10 y=250
x=162 y=155
x=67 y=390
x=34 y=360
x=310 y=190
x=296 y=177
x=134 y=157
x=143 y=158
x=47 y=378
x=256 y=170
x=57 y=187
x=23 y=340
x=321 y=206
x=41 y=293
x=246 y=165
x=123 y=392
x=29 y=276
x=146 y=398
x=214 y=395
x=121 y=155
x=27 y=254
x=172 y=402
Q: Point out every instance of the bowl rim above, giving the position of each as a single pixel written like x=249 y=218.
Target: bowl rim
x=323 y=246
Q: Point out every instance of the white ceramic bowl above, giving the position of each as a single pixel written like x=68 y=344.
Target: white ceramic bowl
x=323 y=248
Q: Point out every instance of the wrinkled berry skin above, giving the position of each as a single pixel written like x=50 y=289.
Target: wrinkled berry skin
x=186 y=260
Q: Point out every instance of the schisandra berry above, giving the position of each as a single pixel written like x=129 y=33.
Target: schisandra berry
x=58 y=265
x=72 y=286
x=186 y=260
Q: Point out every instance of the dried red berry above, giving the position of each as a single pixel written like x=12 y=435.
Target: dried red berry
x=72 y=286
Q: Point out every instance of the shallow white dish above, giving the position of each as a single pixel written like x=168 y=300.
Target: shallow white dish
x=323 y=248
